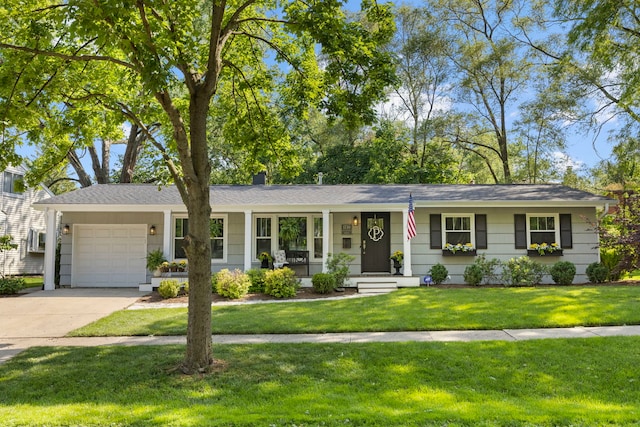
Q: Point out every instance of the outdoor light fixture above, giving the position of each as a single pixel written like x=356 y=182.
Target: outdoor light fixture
x=152 y=230
x=355 y=221
x=66 y=229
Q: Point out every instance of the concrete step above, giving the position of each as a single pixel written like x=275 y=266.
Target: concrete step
x=376 y=287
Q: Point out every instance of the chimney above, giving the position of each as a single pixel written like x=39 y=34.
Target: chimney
x=260 y=178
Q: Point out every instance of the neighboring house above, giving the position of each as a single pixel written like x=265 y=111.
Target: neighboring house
x=22 y=222
x=111 y=228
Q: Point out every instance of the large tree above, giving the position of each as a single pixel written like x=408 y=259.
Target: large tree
x=178 y=54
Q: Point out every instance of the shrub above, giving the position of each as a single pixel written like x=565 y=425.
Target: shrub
x=439 y=273
x=473 y=274
x=338 y=266
x=563 y=272
x=11 y=285
x=611 y=259
x=256 y=276
x=184 y=287
x=169 y=288
x=232 y=284
x=281 y=283
x=522 y=271
x=323 y=283
x=597 y=273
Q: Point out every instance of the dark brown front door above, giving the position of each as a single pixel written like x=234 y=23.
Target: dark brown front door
x=375 y=242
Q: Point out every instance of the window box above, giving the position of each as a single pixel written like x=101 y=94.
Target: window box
x=446 y=252
x=533 y=252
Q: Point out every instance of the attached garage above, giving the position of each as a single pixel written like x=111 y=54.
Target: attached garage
x=107 y=255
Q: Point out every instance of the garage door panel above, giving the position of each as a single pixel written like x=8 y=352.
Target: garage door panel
x=109 y=255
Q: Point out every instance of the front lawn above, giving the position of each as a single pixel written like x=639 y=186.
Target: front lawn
x=578 y=382
x=404 y=310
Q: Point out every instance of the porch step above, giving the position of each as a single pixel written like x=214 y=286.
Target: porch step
x=376 y=287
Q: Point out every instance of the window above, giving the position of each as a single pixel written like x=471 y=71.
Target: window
x=217 y=235
x=12 y=183
x=263 y=235
x=458 y=229
x=36 y=241
x=317 y=237
x=292 y=233
x=542 y=229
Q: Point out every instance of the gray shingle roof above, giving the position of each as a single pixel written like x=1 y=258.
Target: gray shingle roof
x=248 y=196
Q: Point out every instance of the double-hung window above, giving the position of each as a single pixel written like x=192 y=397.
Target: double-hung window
x=263 y=235
x=36 y=240
x=457 y=229
x=217 y=237
x=542 y=228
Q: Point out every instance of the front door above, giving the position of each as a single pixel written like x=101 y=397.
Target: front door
x=376 y=242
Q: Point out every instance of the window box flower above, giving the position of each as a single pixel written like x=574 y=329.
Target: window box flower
x=544 y=249
x=458 y=250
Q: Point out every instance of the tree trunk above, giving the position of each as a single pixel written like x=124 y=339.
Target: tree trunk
x=134 y=145
x=83 y=176
x=199 y=355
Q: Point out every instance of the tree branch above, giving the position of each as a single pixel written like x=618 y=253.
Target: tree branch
x=75 y=57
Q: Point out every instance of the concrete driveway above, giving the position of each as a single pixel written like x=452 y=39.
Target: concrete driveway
x=52 y=314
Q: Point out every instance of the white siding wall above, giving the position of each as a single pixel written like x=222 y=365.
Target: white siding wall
x=21 y=218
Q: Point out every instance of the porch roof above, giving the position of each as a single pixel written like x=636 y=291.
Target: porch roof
x=137 y=197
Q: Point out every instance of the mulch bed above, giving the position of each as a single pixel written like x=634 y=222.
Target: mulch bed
x=303 y=293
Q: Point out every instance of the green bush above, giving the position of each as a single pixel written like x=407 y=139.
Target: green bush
x=232 y=284
x=439 y=273
x=281 y=283
x=11 y=285
x=338 y=266
x=473 y=274
x=169 y=288
x=522 y=271
x=611 y=259
x=323 y=283
x=257 y=280
x=597 y=273
x=184 y=287
x=563 y=272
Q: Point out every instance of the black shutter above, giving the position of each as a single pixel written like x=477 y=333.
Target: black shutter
x=520 y=223
x=435 y=227
x=481 y=231
x=566 y=238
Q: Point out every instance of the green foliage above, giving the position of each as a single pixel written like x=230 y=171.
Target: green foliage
x=597 y=272
x=169 y=288
x=155 y=259
x=563 y=272
x=338 y=266
x=481 y=270
x=231 y=284
x=473 y=274
x=611 y=258
x=6 y=243
x=11 y=285
x=281 y=283
x=522 y=271
x=323 y=283
x=439 y=273
x=256 y=276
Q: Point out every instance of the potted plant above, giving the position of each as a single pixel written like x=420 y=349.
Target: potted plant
x=155 y=259
x=265 y=258
x=397 y=258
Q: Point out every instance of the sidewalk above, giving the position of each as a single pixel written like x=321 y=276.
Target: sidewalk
x=16 y=345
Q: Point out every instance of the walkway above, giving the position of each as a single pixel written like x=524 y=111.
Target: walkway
x=44 y=318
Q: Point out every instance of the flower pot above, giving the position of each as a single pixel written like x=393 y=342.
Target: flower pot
x=397 y=265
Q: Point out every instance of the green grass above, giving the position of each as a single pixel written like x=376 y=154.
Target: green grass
x=578 y=382
x=403 y=310
x=33 y=281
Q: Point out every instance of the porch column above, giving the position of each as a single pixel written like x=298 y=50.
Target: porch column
x=166 y=235
x=406 y=244
x=50 y=250
x=247 y=240
x=326 y=233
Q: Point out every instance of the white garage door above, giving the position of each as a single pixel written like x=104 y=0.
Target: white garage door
x=109 y=255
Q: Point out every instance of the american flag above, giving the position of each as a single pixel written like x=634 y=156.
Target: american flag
x=411 y=220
